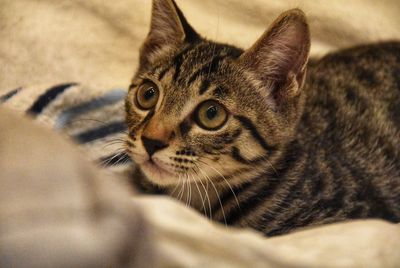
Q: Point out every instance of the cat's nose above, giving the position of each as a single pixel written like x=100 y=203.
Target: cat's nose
x=152 y=145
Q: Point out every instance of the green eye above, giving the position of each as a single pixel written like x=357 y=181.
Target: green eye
x=147 y=96
x=211 y=115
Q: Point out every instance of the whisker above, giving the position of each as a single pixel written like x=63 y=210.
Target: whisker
x=198 y=189
x=176 y=186
x=117 y=154
x=187 y=191
x=216 y=192
x=223 y=177
x=190 y=190
x=119 y=161
x=213 y=54
x=113 y=142
x=207 y=195
x=180 y=194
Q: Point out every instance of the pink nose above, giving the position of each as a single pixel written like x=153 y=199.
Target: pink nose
x=156 y=136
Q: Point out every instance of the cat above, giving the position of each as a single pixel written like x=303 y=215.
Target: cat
x=264 y=138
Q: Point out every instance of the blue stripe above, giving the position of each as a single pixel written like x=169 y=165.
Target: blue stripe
x=46 y=98
x=9 y=95
x=100 y=132
x=71 y=113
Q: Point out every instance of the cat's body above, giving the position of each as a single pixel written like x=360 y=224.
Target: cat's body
x=236 y=135
x=345 y=160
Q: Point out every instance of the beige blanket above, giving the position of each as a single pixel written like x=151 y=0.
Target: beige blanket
x=97 y=41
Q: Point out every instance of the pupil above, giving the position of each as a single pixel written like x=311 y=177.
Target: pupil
x=149 y=94
x=212 y=112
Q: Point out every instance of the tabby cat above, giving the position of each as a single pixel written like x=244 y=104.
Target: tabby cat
x=248 y=139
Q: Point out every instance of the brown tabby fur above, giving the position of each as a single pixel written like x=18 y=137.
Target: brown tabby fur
x=296 y=150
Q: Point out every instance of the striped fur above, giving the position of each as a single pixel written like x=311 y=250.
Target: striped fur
x=291 y=153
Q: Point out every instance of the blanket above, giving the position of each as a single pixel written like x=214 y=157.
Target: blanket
x=97 y=41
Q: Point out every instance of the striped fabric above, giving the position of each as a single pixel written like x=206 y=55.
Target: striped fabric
x=94 y=118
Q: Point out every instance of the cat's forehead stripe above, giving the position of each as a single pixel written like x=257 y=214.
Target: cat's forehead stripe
x=202 y=59
x=175 y=63
x=204 y=86
x=206 y=69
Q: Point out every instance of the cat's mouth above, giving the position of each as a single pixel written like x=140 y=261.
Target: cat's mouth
x=156 y=170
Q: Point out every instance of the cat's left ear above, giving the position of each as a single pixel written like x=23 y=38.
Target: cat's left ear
x=279 y=57
x=168 y=30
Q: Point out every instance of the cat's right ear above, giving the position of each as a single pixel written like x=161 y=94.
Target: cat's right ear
x=279 y=57
x=169 y=29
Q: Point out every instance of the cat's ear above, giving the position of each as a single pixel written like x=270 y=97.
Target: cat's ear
x=279 y=57
x=168 y=30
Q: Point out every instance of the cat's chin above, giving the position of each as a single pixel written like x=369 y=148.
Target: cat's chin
x=157 y=174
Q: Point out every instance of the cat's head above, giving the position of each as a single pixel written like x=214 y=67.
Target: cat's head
x=199 y=110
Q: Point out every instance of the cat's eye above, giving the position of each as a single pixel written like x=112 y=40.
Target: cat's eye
x=147 y=95
x=211 y=115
